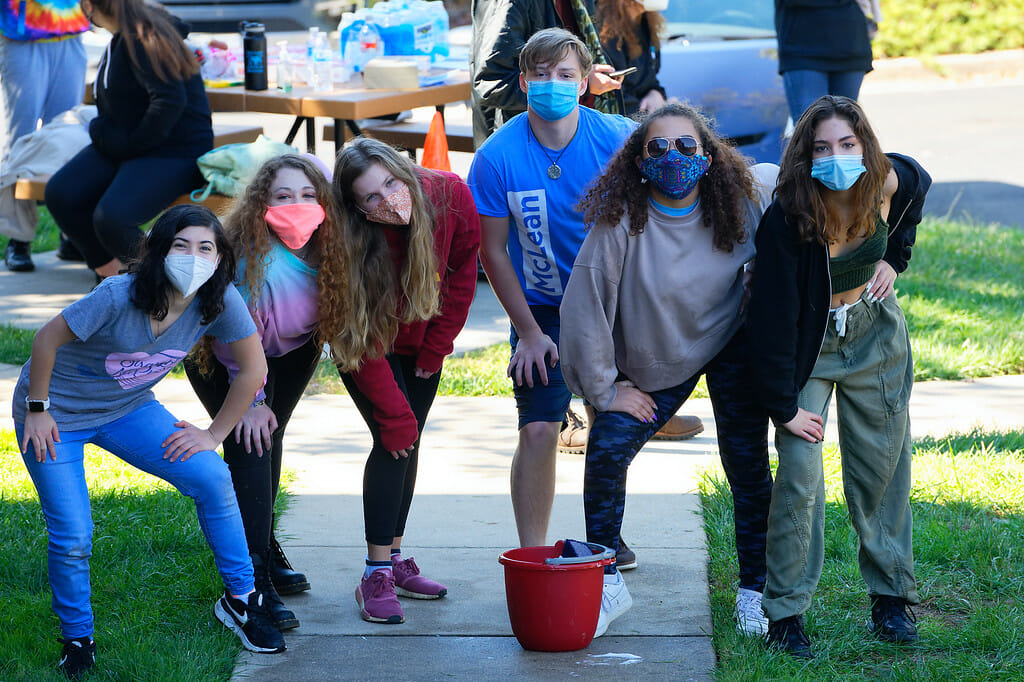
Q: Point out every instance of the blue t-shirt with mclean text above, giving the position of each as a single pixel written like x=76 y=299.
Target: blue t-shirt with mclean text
x=509 y=177
x=108 y=370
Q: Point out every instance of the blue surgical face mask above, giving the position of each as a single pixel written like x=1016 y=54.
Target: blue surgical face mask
x=839 y=172
x=552 y=100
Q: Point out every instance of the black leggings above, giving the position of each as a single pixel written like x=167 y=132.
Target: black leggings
x=388 y=483
x=99 y=203
x=256 y=479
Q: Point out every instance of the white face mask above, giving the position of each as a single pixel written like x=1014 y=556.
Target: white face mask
x=187 y=272
x=655 y=5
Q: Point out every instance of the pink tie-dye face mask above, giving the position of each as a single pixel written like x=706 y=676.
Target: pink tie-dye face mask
x=394 y=209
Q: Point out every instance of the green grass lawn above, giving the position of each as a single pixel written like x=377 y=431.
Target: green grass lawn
x=968 y=503
x=154 y=582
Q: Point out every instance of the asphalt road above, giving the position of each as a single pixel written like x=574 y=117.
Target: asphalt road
x=969 y=139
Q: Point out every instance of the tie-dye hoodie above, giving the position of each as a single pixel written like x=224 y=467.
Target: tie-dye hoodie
x=30 y=20
x=286 y=310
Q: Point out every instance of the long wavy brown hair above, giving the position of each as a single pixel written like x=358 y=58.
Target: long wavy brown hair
x=378 y=301
x=802 y=197
x=153 y=28
x=722 y=190
x=618 y=26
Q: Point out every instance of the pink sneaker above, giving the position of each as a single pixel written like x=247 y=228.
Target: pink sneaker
x=409 y=582
x=377 y=600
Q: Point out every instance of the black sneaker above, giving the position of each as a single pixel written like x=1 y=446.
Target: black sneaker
x=250 y=622
x=892 y=620
x=625 y=558
x=18 y=256
x=279 y=614
x=78 y=657
x=68 y=251
x=788 y=635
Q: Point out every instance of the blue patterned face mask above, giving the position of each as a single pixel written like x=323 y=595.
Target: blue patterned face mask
x=838 y=172
x=673 y=174
x=553 y=100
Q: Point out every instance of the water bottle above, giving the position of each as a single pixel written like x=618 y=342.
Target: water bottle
x=310 y=70
x=321 y=64
x=442 y=27
x=363 y=44
x=254 y=50
x=422 y=19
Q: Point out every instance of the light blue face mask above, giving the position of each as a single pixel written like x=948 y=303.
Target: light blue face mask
x=839 y=172
x=553 y=100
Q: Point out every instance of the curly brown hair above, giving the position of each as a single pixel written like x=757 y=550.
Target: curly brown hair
x=618 y=26
x=802 y=198
x=378 y=301
x=722 y=190
x=251 y=240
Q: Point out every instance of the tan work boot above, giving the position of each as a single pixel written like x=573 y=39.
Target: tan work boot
x=679 y=427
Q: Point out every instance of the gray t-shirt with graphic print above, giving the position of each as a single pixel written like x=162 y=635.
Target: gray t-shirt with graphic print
x=108 y=371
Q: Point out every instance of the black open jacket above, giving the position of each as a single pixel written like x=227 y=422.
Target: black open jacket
x=788 y=312
x=141 y=115
x=500 y=29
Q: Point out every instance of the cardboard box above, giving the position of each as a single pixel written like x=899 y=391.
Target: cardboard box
x=391 y=73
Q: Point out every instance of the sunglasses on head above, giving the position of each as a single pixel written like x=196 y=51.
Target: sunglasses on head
x=659 y=146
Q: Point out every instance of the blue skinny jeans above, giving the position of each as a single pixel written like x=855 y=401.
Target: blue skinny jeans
x=135 y=438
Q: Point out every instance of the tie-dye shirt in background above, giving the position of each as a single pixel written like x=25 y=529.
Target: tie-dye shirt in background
x=31 y=20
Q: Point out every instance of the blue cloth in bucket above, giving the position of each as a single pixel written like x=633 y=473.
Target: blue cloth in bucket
x=575 y=548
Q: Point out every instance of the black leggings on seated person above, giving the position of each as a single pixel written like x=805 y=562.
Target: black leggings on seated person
x=99 y=203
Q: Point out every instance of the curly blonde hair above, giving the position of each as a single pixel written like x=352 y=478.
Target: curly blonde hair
x=377 y=301
x=723 y=189
x=251 y=240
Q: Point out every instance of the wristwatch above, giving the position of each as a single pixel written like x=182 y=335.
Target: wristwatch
x=38 y=405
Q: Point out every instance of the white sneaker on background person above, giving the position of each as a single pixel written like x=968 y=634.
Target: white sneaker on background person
x=750 y=618
x=615 y=601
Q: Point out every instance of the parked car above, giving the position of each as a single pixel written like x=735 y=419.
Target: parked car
x=721 y=56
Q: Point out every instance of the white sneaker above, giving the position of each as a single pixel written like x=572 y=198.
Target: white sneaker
x=615 y=601
x=750 y=619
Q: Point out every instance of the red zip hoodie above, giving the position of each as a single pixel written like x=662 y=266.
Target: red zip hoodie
x=456 y=242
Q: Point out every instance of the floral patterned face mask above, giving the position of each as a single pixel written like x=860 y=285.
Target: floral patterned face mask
x=673 y=174
x=394 y=209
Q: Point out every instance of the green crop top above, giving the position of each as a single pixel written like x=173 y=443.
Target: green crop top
x=855 y=268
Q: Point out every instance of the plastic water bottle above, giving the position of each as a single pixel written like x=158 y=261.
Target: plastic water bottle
x=396 y=28
x=321 y=63
x=421 y=17
x=442 y=26
x=310 y=49
x=362 y=43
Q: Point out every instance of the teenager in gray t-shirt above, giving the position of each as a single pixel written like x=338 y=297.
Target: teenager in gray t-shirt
x=89 y=381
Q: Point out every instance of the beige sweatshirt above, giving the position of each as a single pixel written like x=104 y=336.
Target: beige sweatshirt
x=656 y=306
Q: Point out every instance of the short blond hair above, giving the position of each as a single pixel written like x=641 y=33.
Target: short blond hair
x=550 y=46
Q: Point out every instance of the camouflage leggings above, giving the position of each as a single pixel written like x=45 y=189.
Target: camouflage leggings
x=742 y=425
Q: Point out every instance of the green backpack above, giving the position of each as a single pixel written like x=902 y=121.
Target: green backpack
x=228 y=169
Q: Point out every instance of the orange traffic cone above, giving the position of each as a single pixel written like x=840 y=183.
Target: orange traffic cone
x=435 y=146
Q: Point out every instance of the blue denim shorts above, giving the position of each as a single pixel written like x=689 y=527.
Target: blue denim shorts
x=542 y=403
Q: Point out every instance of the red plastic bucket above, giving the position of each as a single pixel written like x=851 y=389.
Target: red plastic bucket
x=553 y=601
